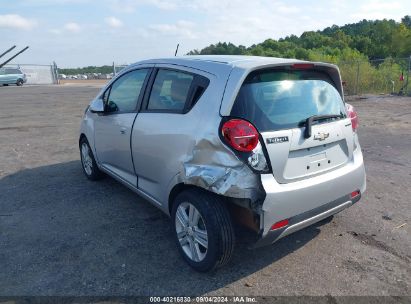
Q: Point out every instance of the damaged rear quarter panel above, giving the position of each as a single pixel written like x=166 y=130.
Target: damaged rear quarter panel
x=215 y=167
x=170 y=149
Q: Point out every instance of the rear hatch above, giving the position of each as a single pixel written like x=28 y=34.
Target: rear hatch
x=278 y=101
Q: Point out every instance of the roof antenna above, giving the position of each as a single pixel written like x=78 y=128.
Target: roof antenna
x=175 y=54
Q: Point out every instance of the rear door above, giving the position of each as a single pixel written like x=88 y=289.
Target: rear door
x=163 y=131
x=278 y=102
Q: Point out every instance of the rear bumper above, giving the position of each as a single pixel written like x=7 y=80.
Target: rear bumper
x=306 y=202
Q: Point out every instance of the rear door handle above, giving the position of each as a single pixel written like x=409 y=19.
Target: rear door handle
x=123 y=130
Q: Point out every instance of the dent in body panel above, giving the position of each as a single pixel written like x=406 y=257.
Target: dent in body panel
x=214 y=167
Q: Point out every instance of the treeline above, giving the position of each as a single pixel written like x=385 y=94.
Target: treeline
x=370 y=39
x=356 y=48
x=105 y=69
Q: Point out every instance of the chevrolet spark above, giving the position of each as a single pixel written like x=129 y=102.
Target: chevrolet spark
x=267 y=143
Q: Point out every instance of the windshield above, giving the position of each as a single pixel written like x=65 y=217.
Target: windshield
x=281 y=99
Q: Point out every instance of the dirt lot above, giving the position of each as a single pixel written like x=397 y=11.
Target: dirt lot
x=61 y=234
x=82 y=82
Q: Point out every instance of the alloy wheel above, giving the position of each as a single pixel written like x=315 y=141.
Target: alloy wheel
x=86 y=159
x=191 y=232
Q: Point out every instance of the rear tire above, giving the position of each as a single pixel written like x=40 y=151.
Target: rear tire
x=203 y=229
x=88 y=162
x=20 y=82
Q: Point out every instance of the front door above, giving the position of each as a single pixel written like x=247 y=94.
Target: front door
x=113 y=128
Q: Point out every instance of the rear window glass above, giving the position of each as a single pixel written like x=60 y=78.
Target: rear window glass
x=281 y=99
x=170 y=90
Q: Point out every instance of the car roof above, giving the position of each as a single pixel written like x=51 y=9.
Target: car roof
x=208 y=62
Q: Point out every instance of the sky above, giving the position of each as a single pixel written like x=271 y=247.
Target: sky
x=76 y=33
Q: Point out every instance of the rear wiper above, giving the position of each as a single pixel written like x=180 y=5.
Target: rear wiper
x=309 y=121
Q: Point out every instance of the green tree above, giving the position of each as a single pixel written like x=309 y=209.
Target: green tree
x=406 y=21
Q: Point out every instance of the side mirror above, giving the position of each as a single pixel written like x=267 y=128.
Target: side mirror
x=97 y=106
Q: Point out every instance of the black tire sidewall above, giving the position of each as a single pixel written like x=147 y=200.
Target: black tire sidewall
x=203 y=203
x=19 y=82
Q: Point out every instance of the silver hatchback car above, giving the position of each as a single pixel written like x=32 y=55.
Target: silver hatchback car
x=267 y=143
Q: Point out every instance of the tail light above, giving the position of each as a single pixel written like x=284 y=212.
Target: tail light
x=353 y=116
x=242 y=136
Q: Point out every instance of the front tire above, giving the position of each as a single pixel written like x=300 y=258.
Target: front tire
x=20 y=82
x=203 y=229
x=88 y=161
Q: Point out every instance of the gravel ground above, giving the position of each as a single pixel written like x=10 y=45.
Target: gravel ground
x=61 y=234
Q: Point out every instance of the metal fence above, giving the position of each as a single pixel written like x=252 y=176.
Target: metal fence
x=118 y=67
x=381 y=76
x=38 y=73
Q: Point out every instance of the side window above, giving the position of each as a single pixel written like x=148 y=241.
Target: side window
x=12 y=71
x=200 y=85
x=124 y=92
x=170 y=90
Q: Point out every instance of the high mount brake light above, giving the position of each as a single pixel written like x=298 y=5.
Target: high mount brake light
x=302 y=66
x=240 y=135
x=352 y=114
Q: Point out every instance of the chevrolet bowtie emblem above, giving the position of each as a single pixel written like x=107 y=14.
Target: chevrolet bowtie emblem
x=321 y=136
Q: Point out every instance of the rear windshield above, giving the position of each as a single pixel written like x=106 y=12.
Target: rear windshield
x=281 y=99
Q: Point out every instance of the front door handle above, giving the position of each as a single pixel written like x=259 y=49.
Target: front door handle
x=123 y=130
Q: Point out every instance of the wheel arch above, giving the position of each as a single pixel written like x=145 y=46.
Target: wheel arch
x=180 y=187
x=238 y=209
x=177 y=189
x=82 y=135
